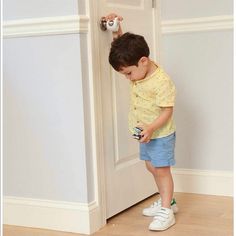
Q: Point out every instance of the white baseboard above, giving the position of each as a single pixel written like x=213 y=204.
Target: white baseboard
x=203 y=181
x=86 y=219
x=73 y=24
x=61 y=216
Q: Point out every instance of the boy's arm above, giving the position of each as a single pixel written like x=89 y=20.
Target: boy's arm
x=118 y=33
x=156 y=124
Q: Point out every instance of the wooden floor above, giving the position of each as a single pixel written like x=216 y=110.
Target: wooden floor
x=199 y=215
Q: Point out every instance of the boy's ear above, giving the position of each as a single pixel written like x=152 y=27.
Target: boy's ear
x=143 y=60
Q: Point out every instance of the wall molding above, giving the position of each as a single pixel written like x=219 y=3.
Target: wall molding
x=203 y=181
x=86 y=219
x=53 y=215
x=223 y=22
x=73 y=24
x=70 y=24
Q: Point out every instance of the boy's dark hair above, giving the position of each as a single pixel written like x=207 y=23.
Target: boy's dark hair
x=127 y=50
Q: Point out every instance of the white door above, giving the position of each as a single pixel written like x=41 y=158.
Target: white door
x=127 y=180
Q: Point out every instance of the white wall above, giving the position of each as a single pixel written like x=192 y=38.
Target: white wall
x=201 y=64
x=45 y=82
x=13 y=9
x=195 y=9
x=43 y=119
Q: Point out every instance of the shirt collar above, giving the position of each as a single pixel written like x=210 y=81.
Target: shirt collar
x=150 y=76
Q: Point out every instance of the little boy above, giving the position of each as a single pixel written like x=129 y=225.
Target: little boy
x=151 y=109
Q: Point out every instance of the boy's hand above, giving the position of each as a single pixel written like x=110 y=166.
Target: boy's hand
x=146 y=133
x=112 y=16
x=156 y=124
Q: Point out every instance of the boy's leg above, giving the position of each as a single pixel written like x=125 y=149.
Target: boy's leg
x=164 y=216
x=164 y=181
x=165 y=185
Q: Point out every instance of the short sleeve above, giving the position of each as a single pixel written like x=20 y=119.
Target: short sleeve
x=166 y=93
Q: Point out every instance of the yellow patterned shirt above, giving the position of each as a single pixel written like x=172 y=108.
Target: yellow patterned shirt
x=148 y=97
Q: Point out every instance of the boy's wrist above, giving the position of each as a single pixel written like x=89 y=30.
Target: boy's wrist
x=115 y=35
x=118 y=33
x=151 y=128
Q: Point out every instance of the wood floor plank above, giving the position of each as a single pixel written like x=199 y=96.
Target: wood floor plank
x=199 y=215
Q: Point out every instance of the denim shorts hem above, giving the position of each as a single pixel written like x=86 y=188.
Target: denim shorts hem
x=155 y=164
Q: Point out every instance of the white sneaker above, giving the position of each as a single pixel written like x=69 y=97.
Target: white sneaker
x=156 y=206
x=163 y=220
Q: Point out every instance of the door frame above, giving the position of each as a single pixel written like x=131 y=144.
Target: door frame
x=93 y=39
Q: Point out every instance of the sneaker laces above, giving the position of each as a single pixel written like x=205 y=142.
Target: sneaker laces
x=161 y=216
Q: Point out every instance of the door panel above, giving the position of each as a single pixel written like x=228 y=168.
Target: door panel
x=127 y=180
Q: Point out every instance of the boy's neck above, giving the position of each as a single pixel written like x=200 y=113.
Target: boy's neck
x=151 y=68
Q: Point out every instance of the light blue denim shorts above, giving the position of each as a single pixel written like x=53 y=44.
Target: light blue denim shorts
x=160 y=151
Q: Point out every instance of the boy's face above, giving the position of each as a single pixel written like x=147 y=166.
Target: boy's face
x=134 y=73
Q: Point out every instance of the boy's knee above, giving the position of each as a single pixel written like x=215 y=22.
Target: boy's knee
x=149 y=167
x=157 y=171
x=162 y=171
